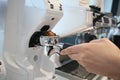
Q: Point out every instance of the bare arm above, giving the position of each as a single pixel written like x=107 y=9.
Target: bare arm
x=98 y=56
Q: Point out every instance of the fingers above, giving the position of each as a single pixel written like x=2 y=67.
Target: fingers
x=77 y=57
x=83 y=47
x=74 y=49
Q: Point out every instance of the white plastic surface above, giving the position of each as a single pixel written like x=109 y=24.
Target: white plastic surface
x=2 y=70
x=1 y=41
x=22 y=21
x=3 y=4
x=75 y=20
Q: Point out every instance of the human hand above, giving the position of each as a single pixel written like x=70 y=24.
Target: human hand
x=98 y=56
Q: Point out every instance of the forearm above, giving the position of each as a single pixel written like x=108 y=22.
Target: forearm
x=116 y=68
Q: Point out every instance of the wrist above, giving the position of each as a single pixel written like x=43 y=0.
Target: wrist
x=116 y=69
x=115 y=75
x=116 y=78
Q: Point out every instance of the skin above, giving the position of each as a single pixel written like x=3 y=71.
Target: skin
x=98 y=56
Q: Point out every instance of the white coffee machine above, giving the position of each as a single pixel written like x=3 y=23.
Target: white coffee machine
x=28 y=39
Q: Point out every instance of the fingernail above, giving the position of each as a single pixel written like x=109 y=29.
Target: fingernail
x=62 y=53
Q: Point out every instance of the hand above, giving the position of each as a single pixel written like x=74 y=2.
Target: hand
x=98 y=56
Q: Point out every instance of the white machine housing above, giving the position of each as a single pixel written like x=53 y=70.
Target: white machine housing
x=23 y=19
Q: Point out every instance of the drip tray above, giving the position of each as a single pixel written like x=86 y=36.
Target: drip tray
x=74 y=69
